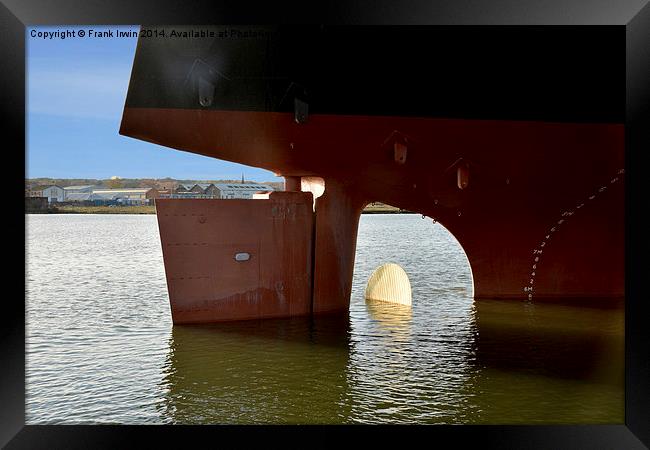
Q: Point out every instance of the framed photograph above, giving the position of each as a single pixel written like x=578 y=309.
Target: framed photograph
x=327 y=216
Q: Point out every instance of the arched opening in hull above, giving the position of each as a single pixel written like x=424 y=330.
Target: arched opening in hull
x=432 y=257
x=405 y=351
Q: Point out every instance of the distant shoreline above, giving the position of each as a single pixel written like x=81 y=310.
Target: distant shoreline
x=69 y=209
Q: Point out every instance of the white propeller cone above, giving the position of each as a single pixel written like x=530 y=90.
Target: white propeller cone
x=389 y=283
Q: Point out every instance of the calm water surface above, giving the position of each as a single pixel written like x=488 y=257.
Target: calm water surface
x=101 y=347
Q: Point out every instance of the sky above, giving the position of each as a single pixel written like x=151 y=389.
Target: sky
x=76 y=88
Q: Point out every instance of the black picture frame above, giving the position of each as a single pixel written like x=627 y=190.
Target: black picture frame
x=634 y=15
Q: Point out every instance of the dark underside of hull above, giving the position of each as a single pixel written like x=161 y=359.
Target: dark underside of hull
x=556 y=74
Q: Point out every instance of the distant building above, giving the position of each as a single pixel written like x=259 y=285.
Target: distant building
x=141 y=196
x=184 y=191
x=166 y=185
x=185 y=188
x=242 y=190
x=54 y=194
x=222 y=190
x=196 y=190
x=83 y=197
x=78 y=189
x=209 y=190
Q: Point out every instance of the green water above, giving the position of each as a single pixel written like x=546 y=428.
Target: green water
x=541 y=364
x=101 y=347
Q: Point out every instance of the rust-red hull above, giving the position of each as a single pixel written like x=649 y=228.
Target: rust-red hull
x=538 y=207
x=206 y=283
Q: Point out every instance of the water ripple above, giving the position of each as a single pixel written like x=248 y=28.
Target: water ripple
x=101 y=349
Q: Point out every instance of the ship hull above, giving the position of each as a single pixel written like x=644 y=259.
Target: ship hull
x=537 y=205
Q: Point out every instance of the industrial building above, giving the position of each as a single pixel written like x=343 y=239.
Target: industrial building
x=244 y=190
x=59 y=194
x=79 y=189
x=84 y=197
x=54 y=194
x=189 y=191
x=221 y=190
x=196 y=190
x=209 y=190
x=140 y=196
x=145 y=196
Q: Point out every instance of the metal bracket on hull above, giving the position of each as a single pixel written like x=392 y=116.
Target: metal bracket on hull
x=203 y=79
x=301 y=111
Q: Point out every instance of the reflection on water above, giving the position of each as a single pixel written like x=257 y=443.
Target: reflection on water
x=547 y=363
x=392 y=316
x=274 y=371
x=527 y=363
x=101 y=348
